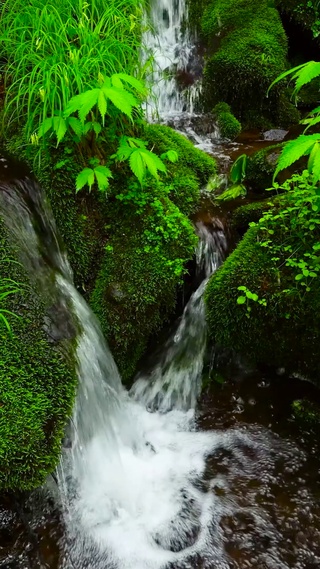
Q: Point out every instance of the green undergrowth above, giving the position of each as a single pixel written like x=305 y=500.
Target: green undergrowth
x=285 y=332
x=261 y=167
x=37 y=388
x=128 y=252
x=304 y=12
x=248 y=49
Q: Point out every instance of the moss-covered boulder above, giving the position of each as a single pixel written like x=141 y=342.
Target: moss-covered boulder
x=128 y=252
x=261 y=166
x=285 y=332
x=37 y=387
x=247 y=50
x=227 y=123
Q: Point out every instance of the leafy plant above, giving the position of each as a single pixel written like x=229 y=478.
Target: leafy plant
x=237 y=175
x=142 y=161
x=57 y=49
x=291 y=229
x=305 y=144
x=248 y=296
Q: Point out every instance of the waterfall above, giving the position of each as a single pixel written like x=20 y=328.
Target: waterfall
x=175 y=381
x=128 y=478
x=175 y=79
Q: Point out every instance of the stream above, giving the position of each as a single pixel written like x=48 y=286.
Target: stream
x=179 y=472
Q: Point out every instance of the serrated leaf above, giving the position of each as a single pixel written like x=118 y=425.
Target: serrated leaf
x=82 y=178
x=157 y=161
x=104 y=171
x=75 y=125
x=135 y=83
x=294 y=150
x=60 y=128
x=45 y=126
x=149 y=162
x=171 y=155
x=137 y=165
x=102 y=105
x=306 y=74
x=102 y=180
x=121 y=99
x=123 y=152
x=286 y=74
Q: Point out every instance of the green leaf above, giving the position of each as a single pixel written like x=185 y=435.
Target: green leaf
x=171 y=155
x=60 y=128
x=135 y=83
x=232 y=193
x=137 y=165
x=75 y=125
x=285 y=74
x=102 y=173
x=122 y=99
x=241 y=299
x=306 y=74
x=102 y=105
x=294 y=150
x=45 y=126
x=238 y=170
x=82 y=178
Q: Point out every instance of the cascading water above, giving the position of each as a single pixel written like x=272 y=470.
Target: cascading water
x=158 y=515
x=176 y=77
x=175 y=381
x=141 y=489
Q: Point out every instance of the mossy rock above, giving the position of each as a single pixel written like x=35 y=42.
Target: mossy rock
x=304 y=12
x=135 y=292
x=37 y=387
x=248 y=50
x=307 y=413
x=285 y=333
x=227 y=123
x=130 y=281
x=261 y=166
x=245 y=214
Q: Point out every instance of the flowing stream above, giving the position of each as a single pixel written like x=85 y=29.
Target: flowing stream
x=146 y=481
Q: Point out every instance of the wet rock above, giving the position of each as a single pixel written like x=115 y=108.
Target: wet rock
x=275 y=134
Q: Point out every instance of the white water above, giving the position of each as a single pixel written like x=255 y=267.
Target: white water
x=170 y=44
x=128 y=482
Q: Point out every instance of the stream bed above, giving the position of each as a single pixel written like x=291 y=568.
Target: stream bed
x=267 y=488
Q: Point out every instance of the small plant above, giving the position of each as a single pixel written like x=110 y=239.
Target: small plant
x=8 y=287
x=237 y=176
x=248 y=296
x=305 y=144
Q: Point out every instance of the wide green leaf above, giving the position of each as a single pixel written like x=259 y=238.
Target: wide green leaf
x=294 y=150
x=82 y=178
x=122 y=99
x=137 y=165
x=135 y=83
x=306 y=74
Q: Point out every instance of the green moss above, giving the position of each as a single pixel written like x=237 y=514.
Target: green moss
x=249 y=49
x=148 y=238
x=268 y=335
x=306 y=412
x=37 y=389
x=261 y=166
x=228 y=125
x=245 y=214
x=198 y=162
x=136 y=289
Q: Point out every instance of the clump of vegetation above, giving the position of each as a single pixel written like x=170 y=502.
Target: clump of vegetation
x=228 y=125
x=306 y=412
